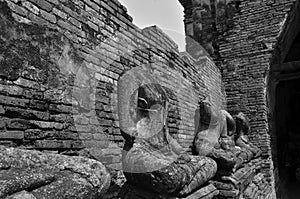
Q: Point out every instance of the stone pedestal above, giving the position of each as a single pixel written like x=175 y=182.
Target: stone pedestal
x=130 y=192
x=241 y=183
x=258 y=188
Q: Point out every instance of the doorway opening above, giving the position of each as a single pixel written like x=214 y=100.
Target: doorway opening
x=284 y=108
x=287 y=125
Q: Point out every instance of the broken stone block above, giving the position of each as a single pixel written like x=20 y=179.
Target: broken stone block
x=22 y=195
x=51 y=176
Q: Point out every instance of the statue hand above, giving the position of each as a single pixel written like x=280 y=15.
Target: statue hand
x=183 y=158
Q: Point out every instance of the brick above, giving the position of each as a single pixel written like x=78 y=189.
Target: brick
x=79 y=119
x=94 y=121
x=93 y=26
x=13 y=101
x=31 y=7
x=48 y=16
x=71 y=28
x=96 y=144
x=17 y=124
x=60 y=13
x=12 y=135
x=98 y=1
x=47 y=125
x=20 y=19
x=105 y=6
x=55 y=2
x=62 y=108
x=53 y=144
x=37 y=19
x=70 y=12
x=105 y=115
x=18 y=9
x=118 y=132
x=65 y=25
x=113 y=5
x=38 y=115
x=112 y=151
x=103 y=122
x=103 y=78
x=37 y=134
x=100 y=136
x=2 y=124
x=75 y=22
x=25 y=113
x=2 y=111
x=33 y=134
x=92 y=5
x=11 y=89
x=62 y=118
x=77 y=145
x=39 y=104
x=43 y=4
x=85 y=136
x=7 y=143
x=29 y=93
x=71 y=36
x=80 y=128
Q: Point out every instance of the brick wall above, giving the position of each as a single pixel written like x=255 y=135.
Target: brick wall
x=242 y=37
x=247 y=51
x=60 y=64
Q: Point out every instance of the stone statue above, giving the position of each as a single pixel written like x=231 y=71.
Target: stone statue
x=214 y=138
x=152 y=159
x=242 y=131
x=244 y=149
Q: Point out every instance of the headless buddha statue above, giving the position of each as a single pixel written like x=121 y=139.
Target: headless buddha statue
x=152 y=159
x=215 y=139
x=242 y=131
x=244 y=149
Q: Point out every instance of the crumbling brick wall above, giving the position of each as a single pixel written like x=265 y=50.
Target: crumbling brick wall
x=60 y=63
x=242 y=35
x=246 y=51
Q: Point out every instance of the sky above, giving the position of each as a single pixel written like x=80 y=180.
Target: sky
x=166 y=14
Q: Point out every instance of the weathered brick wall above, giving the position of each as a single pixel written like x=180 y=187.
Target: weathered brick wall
x=60 y=63
x=241 y=35
x=246 y=52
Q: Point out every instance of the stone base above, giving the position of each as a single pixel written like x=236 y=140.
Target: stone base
x=258 y=188
x=207 y=192
x=226 y=190
x=246 y=183
x=131 y=192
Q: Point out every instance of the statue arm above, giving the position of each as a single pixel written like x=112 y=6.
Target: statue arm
x=242 y=142
x=175 y=146
x=228 y=124
x=183 y=157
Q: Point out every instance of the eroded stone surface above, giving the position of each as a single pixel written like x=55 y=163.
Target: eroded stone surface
x=22 y=195
x=46 y=175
